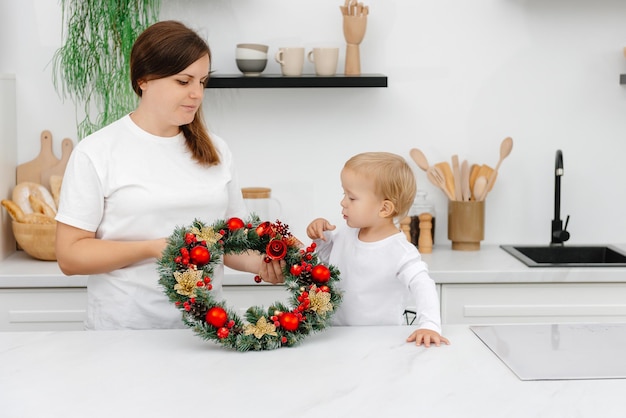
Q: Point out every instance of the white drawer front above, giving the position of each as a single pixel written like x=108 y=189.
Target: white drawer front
x=528 y=303
x=52 y=309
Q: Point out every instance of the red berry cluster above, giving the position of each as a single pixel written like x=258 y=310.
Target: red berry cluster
x=205 y=282
x=187 y=304
x=304 y=266
x=195 y=253
x=320 y=273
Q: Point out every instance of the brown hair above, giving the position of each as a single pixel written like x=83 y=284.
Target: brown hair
x=165 y=49
x=394 y=179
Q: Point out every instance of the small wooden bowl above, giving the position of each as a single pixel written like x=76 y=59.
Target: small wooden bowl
x=36 y=239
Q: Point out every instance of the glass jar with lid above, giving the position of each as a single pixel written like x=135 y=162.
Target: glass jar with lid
x=421 y=205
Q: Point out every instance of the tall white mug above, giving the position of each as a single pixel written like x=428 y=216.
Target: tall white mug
x=325 y=60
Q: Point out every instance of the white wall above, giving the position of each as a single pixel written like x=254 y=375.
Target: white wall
x=462 y=76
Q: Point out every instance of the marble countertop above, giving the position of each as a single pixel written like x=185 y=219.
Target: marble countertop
x=341 y=372
x=489 y=265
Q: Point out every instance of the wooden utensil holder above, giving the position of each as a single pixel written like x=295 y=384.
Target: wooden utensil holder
x=466 y=224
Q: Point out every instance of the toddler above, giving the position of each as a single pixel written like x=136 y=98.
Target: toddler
x=379 y=267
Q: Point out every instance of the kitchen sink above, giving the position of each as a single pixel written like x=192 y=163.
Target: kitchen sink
x=568 y=256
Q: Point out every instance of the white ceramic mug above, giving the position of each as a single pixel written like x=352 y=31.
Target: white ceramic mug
x=258 y=200
x=291 y=60
x=325 y=60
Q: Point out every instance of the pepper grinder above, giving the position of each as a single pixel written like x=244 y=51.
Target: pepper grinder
x=425 y=240
x=421 y=205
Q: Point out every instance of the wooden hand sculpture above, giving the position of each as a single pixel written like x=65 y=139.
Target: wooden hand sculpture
x=354 y=24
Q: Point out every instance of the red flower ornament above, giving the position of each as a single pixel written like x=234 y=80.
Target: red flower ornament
x=276 y=249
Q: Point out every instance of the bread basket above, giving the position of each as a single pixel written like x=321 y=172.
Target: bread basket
x=37 y=240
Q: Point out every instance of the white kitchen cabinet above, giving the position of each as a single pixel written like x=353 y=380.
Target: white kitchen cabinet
x=475 y=287
x=43 y=309
x=240 y=298
x=486 y=303
x=63 y=309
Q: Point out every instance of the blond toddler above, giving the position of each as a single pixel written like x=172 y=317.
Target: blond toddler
x=379 y=268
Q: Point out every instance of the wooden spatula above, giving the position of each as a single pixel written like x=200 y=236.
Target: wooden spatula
x=465 y=182
x=456 y=173
x=444 y=166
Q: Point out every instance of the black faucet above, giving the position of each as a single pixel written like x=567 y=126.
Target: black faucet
x=559 y=233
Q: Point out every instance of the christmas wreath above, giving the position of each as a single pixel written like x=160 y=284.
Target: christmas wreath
x=187 y=265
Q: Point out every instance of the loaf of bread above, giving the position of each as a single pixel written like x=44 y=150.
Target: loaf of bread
x=39 y=206
x=16 y=213
x=55 y=188
x=23 y=190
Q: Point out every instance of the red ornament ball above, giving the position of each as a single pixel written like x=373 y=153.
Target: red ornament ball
x=199 y=255
x=289 y=321
x=296 y=269
x=265 y=229
x=234 y=223
x=216 y=316
x=320 y=273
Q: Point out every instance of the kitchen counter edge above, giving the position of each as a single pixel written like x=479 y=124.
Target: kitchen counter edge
x=488 y=265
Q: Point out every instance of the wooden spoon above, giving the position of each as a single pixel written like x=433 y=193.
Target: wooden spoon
x=505 y=149
x=419 y=158
x=480 y=188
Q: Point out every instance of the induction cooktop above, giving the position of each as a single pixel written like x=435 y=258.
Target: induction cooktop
x=558 y=351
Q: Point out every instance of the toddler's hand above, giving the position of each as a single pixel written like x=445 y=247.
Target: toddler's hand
x=427 y=337
x=316 y=229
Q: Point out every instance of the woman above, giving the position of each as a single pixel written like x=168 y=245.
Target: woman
x=127 y=186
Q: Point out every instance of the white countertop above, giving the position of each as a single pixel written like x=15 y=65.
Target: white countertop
x=341 y=372
x=489 y=265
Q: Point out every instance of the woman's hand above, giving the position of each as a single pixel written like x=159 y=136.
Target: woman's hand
x=272 y=272
x=254 y=263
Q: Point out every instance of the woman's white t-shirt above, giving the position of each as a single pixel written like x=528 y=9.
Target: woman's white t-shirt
x=125 y=184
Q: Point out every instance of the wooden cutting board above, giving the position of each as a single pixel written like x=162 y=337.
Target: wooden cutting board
x=31 y=171
x=67 y=146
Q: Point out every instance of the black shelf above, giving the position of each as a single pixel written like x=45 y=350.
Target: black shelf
x=622 y=78
x=229 y=81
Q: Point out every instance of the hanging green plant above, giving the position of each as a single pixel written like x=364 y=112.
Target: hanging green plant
x=91 y=67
